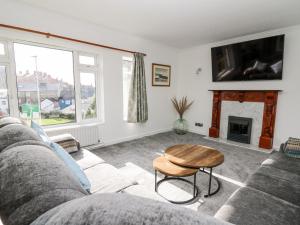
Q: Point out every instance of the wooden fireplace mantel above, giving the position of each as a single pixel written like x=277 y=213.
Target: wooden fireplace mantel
x=269 y=97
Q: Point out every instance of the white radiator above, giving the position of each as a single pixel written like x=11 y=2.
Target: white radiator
x=85 y=134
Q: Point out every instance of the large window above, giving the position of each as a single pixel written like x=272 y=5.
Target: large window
x=127 y=74
x=4 y=107
x=45 y=84
x=50 y=85
x=88 y=71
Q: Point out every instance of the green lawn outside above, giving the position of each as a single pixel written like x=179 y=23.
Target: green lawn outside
x=55 y=121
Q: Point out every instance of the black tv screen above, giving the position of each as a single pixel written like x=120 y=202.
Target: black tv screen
x=260 y=59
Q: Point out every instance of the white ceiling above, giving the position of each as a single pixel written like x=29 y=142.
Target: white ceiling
x=181 y=23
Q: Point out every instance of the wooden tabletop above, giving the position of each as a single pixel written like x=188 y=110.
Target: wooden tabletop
x=164 y=166
x=194 y=156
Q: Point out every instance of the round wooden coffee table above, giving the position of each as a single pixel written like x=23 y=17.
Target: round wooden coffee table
x=197 y=157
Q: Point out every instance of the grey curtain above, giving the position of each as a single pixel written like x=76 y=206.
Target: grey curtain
x=137 y=102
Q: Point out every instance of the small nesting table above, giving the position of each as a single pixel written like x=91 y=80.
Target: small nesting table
x=186 y=160
x=174 y=172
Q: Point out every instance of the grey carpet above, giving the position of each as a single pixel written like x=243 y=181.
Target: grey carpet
x=239 y=164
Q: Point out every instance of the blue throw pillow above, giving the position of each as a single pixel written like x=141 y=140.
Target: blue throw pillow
x=64 y=156
x=40 y=131
x=73 y=166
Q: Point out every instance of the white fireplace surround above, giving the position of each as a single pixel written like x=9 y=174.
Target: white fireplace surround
x=252 y=110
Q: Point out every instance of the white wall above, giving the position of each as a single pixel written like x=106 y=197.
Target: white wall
x=196 y=86
x=114 y=129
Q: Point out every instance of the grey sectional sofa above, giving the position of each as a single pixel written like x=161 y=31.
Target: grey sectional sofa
x=271 y=195
x=36 y=188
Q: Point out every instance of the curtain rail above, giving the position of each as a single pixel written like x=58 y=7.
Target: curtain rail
x=48 y=35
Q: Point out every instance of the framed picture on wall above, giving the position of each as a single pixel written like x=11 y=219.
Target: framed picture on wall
x=161 y=75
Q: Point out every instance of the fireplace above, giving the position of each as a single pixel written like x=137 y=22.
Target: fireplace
x=268 y=97
x=239 y=129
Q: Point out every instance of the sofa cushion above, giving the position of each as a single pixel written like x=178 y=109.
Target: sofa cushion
x=72 y=165
x=120 y=209
x=143 y=191
x=14 y=133
x=64 y=156
x=249 y=206
x=86 y=159
x=281 y=161
x=280 y=183
x=26 y=142
x=9 y=120
x=105 y=178
x=33 y=180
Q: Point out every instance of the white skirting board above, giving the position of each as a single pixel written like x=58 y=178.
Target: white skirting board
x=133 y=137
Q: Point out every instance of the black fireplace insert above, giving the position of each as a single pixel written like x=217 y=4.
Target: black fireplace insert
x=239 y=129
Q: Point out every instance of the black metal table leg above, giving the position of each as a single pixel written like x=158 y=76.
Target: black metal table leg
x=195 y=188
x=195 y=184
x=209 y=183
x=155 y=186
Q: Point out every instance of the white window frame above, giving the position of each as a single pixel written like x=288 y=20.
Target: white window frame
x=9 y=60
x=7 y=73
x=5 y=56
x=82 y=68
x=80 y=53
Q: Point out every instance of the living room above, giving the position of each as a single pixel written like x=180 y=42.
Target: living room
x=149 y=112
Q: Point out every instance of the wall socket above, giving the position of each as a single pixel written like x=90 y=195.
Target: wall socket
x=199 y=124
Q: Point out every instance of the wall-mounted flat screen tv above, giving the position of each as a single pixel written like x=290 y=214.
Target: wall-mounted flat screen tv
x=260 y=59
